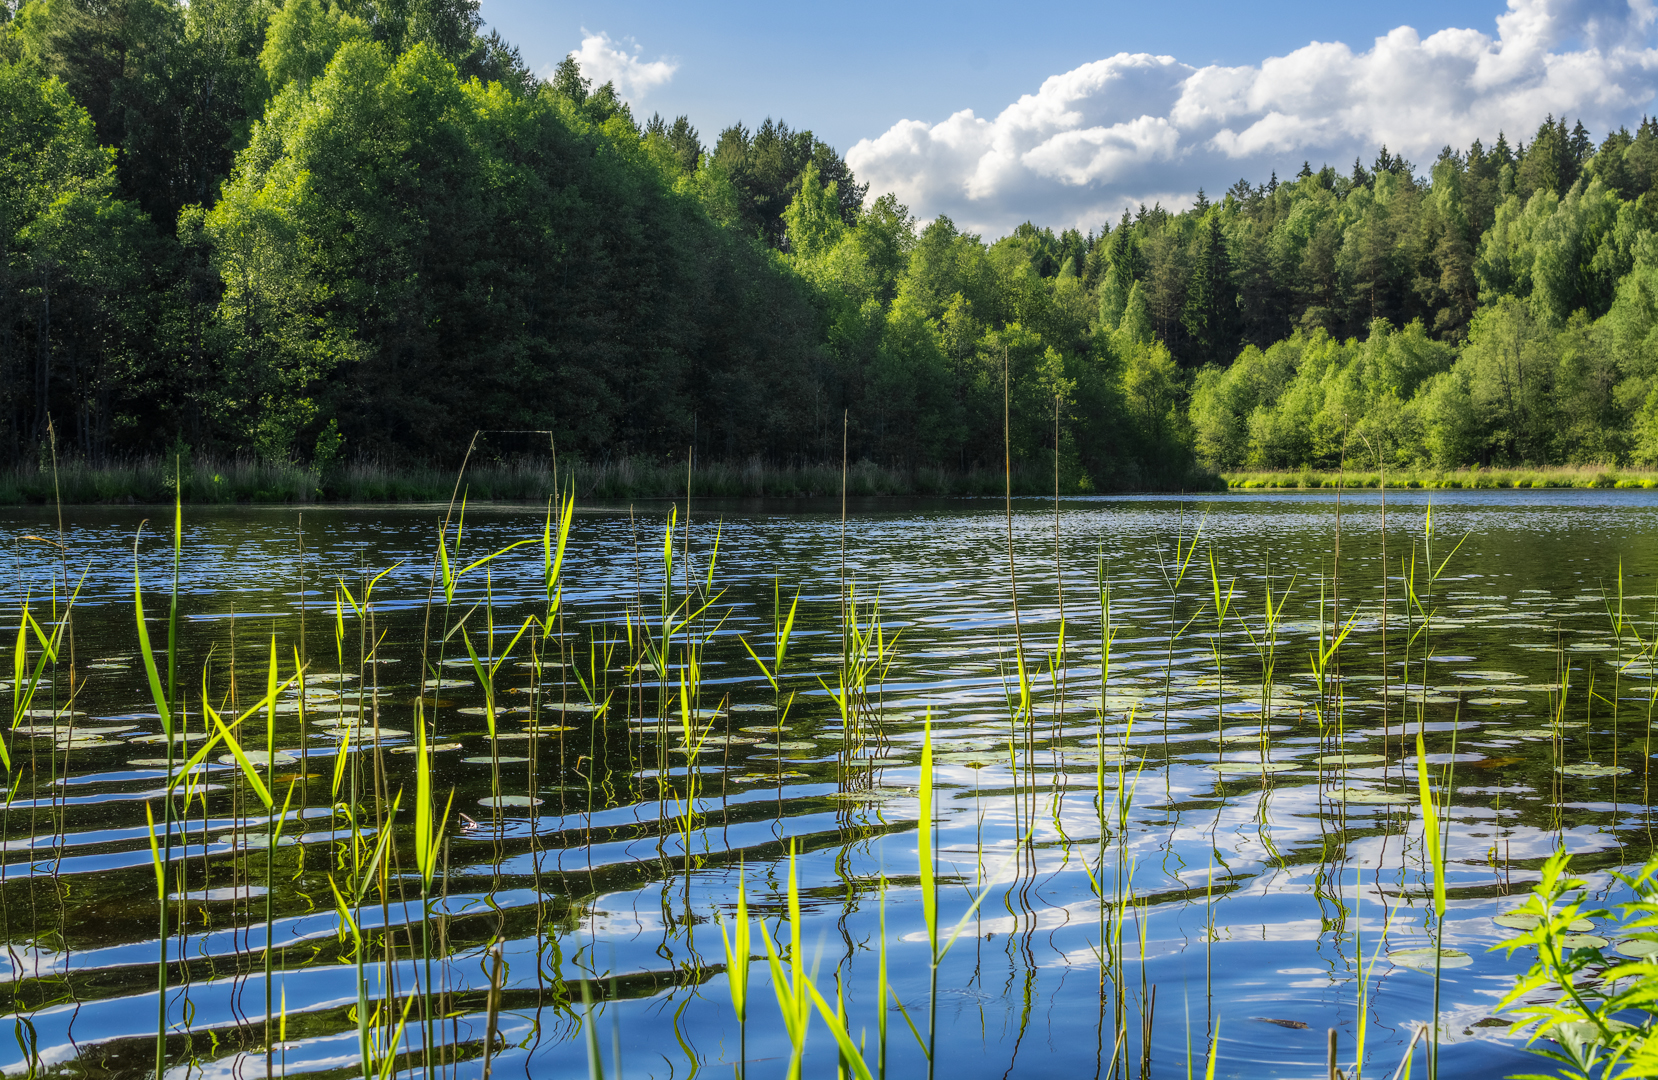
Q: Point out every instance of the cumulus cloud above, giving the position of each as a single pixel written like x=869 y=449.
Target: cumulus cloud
x=604 y=60
x=1136 y=127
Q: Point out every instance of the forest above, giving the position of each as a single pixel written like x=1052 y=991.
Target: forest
x=316 y=233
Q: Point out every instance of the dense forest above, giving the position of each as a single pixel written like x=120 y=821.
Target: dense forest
x=313 y=232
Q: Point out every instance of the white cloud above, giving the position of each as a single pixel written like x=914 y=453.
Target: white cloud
x=604 y=60
x=1135 y=127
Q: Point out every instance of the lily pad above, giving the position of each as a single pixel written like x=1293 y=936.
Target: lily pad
x=1370 y=796
x=1590 y=769
x=1521 y=921
x=1425 y=959
x=1639 y=949
x=503 y=760
x=1498 y=701
x=261 y=759
x=254 y=841
x=1351 y=759
x=508 y=802
x=797 y=744
x=364 y=733
x=447 y=684
x=1582 y=941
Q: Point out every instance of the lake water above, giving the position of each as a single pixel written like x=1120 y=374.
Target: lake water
x=1244 y=894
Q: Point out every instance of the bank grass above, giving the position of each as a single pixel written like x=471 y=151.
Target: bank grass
x=1568 y=476
x=207 y=481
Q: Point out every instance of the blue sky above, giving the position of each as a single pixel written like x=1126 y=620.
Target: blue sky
x=1059 y=130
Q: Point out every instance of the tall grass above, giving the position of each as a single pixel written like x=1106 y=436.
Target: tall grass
x=389 y=850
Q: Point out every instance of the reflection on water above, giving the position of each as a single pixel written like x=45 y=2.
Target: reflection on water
x=1243 y=794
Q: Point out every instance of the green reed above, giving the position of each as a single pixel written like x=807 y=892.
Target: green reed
x=673 y=646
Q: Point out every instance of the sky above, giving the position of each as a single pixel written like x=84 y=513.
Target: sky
x=1067 y=113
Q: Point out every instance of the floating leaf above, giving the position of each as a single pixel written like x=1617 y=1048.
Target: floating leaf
x=1591 y=769
x=1370 y=796
x=1351 y=759
x=1424 y=959
x=489 y=761
x=362 y=734
x=178 y=737
x=434 y=748
x=262 y=759
x=1581 y=941
x=1498 y=701
x=1639 y=949
x=255 y=840
x=505 y=802
x=1521 y=921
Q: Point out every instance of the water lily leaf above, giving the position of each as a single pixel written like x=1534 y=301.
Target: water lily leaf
x=1522 y=921
x=506 y=802
x=262 y=759
x=1235 y=767
x=1424 y=959
x=1590 y=769
x=1370 y=796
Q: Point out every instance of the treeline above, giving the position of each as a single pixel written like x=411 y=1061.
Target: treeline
x=320 y=231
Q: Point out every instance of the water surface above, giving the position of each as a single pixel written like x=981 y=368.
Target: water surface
x=1246 y=896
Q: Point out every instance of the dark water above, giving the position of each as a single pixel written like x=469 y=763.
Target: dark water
x=1253 y=890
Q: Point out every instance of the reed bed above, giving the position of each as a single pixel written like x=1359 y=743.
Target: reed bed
x=451 y=972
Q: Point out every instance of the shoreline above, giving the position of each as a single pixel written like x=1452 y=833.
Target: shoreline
x=1583 y=477
x=243 y=482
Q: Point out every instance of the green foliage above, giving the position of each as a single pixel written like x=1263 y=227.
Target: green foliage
x=319 y=230
x=1595 y=1011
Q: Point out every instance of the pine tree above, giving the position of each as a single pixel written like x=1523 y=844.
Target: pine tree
x=1210 y=313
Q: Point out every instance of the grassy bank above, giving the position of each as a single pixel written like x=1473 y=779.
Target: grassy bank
x=246 y=481
x=1578 y=476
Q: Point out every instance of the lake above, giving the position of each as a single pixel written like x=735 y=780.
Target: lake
x=1225 y=814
